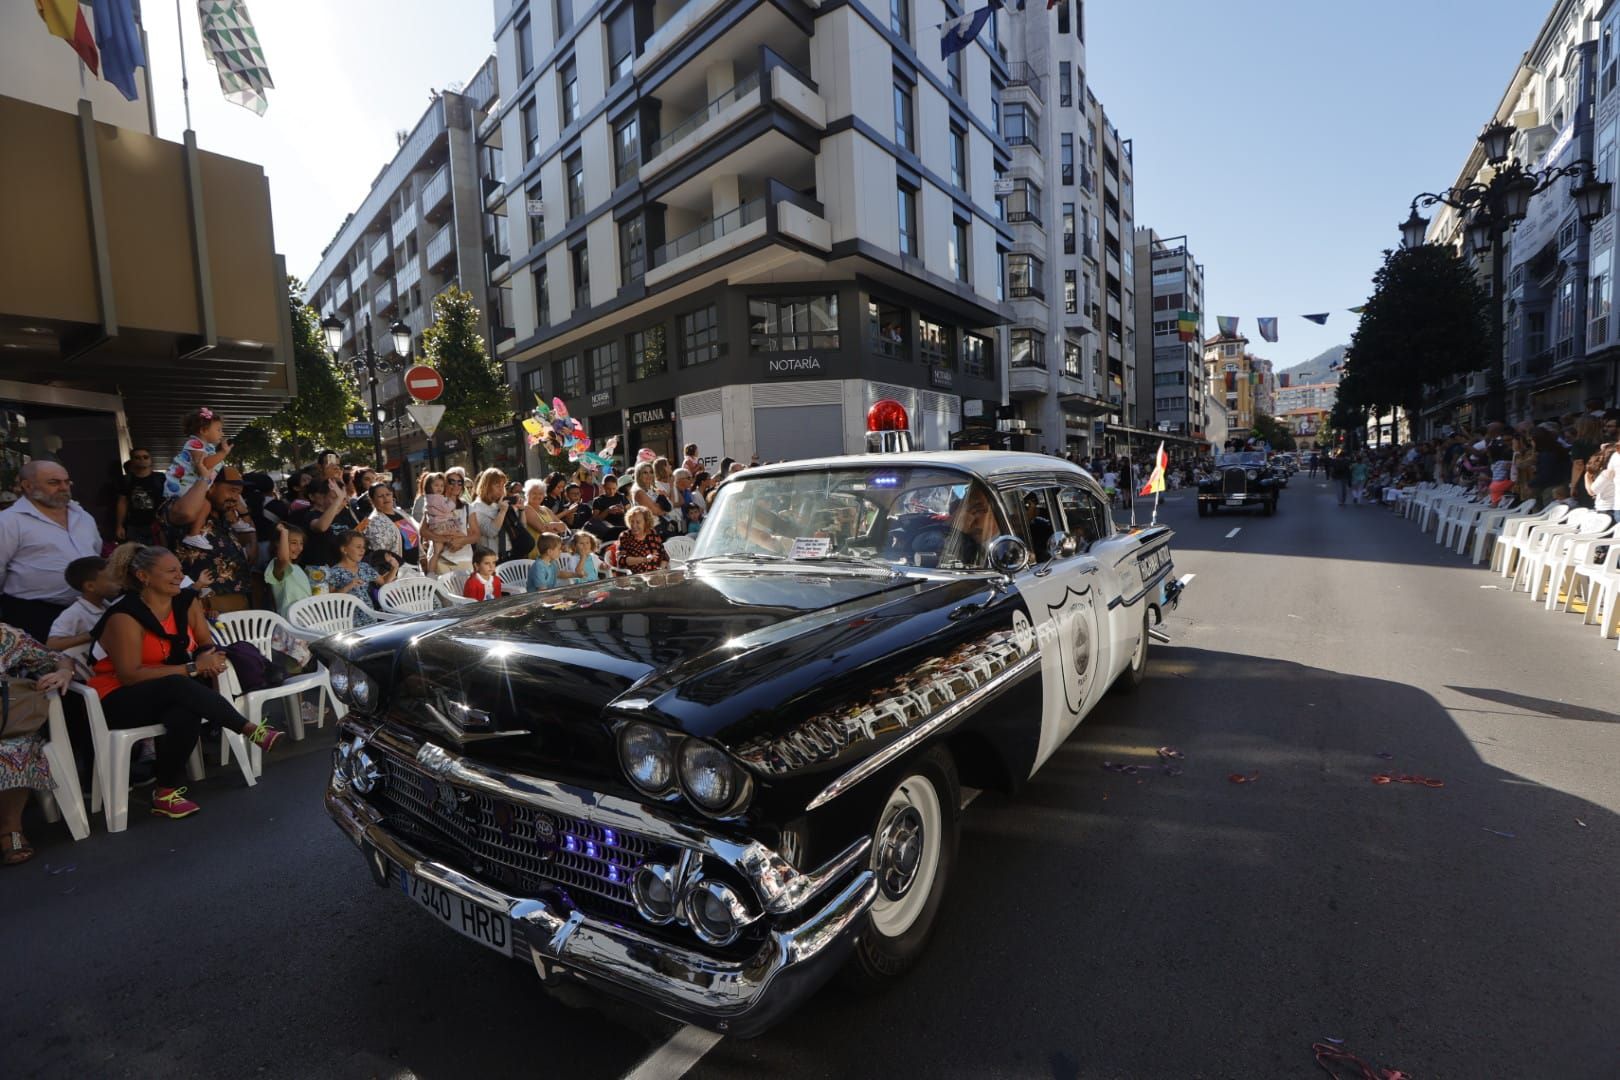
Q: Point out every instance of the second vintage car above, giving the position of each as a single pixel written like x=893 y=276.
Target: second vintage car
x=707 y=789
x=1240 y=481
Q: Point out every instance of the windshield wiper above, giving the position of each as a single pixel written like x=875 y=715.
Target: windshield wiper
x=759 y=556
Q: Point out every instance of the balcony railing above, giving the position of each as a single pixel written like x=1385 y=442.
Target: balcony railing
x=1026 y=292
x=1017 y=217
x=708 y=112
x=1026 y=139
x=435 y=190
x=385 y=296
x=403 y=226
x=341 y=297
x=357 y=279
x=408 y=275
x=1022 y=74
x=442 y=244
x=710 y=231
x=381 y=251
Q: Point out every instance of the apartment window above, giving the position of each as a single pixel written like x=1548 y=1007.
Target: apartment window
x=626 y=149
x=908 y=222
x=531 y=130
x=542 y=298
x=603 y=364
x=534 y=384
x=1566 y=311
x=565 y=16
x=1027 y=348
x=1071 y=293
x=700 y=336
x=1063 y=16
x=1065 y=83
x=1068 y=228
x=1602 y=295
x=1229 y=350
x=648 y=355
x=574 y=168
x=621 y=33
x=1080 y=20
x=1023 y=203
x=1072 y=362
x=525 y=46
x=903 y=132
x=975 y=355
x=959 y=157
x=565 y=376
x=793 y=324
x=934 y=344
x=580 y=259
x=1066 y=143
x=632 y=249
x=887 y=330
x=958 y=253
x=1019 y=125
x=995 y=108
x=953 y=70
x=568 y=80
x=1001 y=273
x=900 y=18
x=1025 y=276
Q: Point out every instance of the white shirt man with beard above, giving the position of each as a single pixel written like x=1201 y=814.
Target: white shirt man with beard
x=39 y=535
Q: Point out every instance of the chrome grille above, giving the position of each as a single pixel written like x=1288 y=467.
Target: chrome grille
x=1232 y=482
x=518 y=847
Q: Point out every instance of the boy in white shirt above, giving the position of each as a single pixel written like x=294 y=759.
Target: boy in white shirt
x=92 y=579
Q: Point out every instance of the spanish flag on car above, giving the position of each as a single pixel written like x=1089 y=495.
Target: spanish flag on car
x=1155 y=483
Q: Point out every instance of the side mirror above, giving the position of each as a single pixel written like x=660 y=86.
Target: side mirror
x=1007 y=554
x=1062 y=545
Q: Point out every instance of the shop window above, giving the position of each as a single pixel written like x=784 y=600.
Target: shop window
x=934 y=344
x=887 y=330
x=648 y=354
x=567 y=378
x=796 y=324
x=603 y=364
x=976 y=355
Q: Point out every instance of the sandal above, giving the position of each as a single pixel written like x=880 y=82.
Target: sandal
x=16 y=847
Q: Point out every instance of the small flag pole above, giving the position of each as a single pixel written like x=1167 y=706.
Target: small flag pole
x=185 y=80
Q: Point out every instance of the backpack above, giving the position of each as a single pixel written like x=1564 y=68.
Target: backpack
x=515 y=541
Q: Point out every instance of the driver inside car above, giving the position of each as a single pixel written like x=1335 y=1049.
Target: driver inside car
x=973 y=526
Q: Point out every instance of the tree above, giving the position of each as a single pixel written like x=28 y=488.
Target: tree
x=1427 y=320
x=326 y=400
x=255 y=448
x=1275 y=434
x=475 y=391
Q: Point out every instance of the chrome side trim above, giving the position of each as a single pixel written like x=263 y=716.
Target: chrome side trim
x=952 y=712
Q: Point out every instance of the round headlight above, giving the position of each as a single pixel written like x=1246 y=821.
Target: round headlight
x=1253 y=475
x=362 y=689
x=653 y=890
x=708 y=776
x=715 y=912
x=645 y=756
x=340 y=680
x=364 y=773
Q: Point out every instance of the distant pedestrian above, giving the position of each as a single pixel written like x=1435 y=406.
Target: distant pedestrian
x=1339 y=469
x=1358 y=479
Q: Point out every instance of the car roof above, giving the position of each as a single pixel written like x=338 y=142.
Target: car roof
x=991 y=465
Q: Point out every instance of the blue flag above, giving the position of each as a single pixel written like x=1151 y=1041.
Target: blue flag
x=956 y=34
x=120 y=43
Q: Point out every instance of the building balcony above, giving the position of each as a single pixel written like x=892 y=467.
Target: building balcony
x=1027 y=140
x=1023 y=78
x=383 y=299
x=1026 y=291
x=340 y=298
x=745 y=222
x=409 y=274
x=357 y=279
x=1028 y=381
x=403 y=226
x=781 y=210
x=693 y=121
x=675 y=22
x=436 y=192
x=382 y=253
x=441 y=247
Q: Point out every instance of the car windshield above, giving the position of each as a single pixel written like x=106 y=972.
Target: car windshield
x=1248 y=461
x=884 y=514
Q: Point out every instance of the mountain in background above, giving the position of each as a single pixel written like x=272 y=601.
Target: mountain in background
x=1316 y=369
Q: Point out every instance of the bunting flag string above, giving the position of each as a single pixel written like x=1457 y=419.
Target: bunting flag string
x=1320 y=318
x=1187 y=325
x=1268 y=327
x=233 y=48
x=1228 y=325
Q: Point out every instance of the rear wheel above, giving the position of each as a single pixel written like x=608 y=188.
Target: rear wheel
x=913 y=854
x=1136 y=674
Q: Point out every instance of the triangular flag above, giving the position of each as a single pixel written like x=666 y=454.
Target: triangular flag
x=1358 y=309
x=1320 y=318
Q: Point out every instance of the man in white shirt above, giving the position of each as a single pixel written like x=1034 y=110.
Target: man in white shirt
x=39 y=535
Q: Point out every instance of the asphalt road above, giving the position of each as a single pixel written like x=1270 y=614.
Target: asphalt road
x=1100 y=925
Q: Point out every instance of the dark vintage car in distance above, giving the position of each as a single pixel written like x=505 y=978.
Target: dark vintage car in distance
x=1240 y=481
x=706 y=790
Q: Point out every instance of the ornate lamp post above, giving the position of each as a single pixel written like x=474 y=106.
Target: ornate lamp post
x=1493 y=209
x=368 y=367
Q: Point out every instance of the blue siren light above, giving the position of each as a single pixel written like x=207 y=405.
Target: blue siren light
x=570 y=842
x=591 y=850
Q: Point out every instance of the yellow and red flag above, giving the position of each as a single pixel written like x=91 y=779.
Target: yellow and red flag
x=1155 y=484
x=66 y=20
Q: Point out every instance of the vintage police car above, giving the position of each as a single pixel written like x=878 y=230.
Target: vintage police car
x=1240 y=480
x=706 y=789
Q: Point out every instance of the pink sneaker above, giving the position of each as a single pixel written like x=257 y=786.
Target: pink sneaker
x=172 y=803
x=265 y=737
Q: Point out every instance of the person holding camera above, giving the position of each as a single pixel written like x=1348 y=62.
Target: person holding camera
x=499 y=517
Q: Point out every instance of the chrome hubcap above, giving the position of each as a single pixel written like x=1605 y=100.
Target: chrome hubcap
x=899 y=853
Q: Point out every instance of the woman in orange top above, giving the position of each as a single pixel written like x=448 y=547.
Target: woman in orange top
x=155 y=648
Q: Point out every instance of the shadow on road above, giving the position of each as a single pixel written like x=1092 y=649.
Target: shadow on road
x=1560 y=709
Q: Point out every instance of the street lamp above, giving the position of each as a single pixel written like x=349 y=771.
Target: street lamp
x=1496 y=206
x=368 y=367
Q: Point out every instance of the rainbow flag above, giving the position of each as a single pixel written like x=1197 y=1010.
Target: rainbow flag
x=1187 y=325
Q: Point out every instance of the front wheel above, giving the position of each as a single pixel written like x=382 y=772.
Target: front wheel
x=1269 y=507
x=913 y=854
x=1203 y=508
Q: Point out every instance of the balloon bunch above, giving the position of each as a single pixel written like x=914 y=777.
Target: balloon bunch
x=560 y=434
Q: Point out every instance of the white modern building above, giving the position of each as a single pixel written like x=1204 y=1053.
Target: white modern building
x=740 y=224
x=416 y=233
x=1169 y=370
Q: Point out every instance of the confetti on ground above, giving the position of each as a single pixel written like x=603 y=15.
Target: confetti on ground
x=1581 y=823
x=1239 y=778
x=1491 y=587
x=68 y=869
x=1167 y=752
x=1408 y=778
x=1499 y=832
x=1330 y=1055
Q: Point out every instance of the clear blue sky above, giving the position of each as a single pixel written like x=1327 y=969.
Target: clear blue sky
x=1286 y=138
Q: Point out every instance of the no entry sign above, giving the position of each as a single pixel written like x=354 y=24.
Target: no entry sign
x=423 y=383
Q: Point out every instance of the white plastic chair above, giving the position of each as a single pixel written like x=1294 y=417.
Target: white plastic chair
x=1516 y=536
x=257 y=628
x=409 y=570
x=110 y=777
x=409 y=596
x=514 y=575
x=1570 y=551
x=1547 y=544
x=65 y=800
x=1599 y=582
x=1490 y=526
x=329 y=613
x=451 y=584
x=679 y=549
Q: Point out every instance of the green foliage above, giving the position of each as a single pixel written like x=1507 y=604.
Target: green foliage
x=1427 y=320
x=475 y=391
x=326 y=398
x=255 y=448
x=1267 y=428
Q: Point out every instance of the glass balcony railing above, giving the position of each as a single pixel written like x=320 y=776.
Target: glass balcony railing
x=710 y=231
x=708 y=112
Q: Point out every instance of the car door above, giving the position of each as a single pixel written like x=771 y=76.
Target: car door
x=1086 y=517
x=1062 y=596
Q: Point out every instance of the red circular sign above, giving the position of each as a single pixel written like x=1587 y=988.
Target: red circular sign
x=423 y=383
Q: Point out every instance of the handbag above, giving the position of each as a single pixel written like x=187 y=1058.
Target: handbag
x=24 y=708
x=253 y=671
x=516 y=543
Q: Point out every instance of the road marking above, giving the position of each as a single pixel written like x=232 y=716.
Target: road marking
x=1186 y=579
x=676 y=1057
x=1234 y=532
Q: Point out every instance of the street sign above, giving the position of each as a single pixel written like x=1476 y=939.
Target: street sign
x=427 y=417
x=423 y=383
x=359 y=429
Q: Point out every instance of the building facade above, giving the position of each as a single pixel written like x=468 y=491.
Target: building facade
x=1169 y=371
x=739 y=224
x=1318 y=396
x=1235 y=376
x=417 y=232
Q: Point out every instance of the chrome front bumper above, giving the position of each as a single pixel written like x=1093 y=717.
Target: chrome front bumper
x=736 y=997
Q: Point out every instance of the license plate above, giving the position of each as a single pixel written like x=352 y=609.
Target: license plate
x=1234 y=500
x=487 y=926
